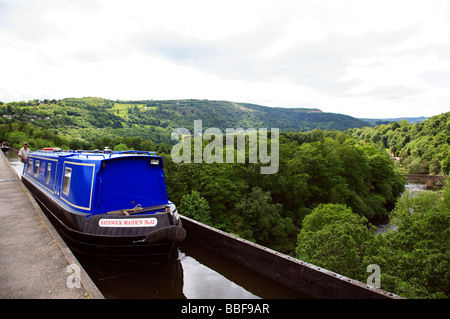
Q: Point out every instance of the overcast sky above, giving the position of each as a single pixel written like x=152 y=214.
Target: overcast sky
x=374 y=59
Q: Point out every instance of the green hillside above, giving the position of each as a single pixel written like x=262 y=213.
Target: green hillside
x=79 y=122
x=422 y=148
x=224 y=114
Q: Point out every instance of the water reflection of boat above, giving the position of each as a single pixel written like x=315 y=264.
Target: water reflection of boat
x=125 y=281
x=109 y=204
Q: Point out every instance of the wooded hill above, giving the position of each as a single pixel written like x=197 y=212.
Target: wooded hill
x=81 y=121
x=422 y=148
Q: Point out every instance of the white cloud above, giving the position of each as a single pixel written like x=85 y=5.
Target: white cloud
x=362 y=58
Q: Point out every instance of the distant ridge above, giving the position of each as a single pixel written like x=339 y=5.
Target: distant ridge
x=224 y=114
x=88 y=117
x=412 y=120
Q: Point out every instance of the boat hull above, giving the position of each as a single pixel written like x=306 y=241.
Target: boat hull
x=84 y=234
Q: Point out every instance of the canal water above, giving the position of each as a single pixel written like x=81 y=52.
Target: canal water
x=197 y=273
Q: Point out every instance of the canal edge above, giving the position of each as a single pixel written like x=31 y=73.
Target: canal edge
x=314 y=281
x=89 y=286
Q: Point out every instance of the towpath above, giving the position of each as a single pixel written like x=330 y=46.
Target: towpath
x=34 y=260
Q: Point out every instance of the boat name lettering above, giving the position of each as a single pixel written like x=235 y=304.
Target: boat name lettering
x=128 y=222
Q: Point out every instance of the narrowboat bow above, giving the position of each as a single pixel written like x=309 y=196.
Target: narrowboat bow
x=108 y=204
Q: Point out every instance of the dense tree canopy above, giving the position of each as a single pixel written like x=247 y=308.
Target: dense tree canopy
x=423 y=147
x=314 y=168
x=335 y=238
x=413 y=256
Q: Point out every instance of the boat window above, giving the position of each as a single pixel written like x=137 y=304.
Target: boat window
x=36 y=167
x=67 y=178
x=49 y=170
x=30 y=166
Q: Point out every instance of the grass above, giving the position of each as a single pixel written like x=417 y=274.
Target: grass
x=121 y=109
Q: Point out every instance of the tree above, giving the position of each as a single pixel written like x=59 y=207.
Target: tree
x=413 y=256
x=258 y=219
x=414 y=259
x=335 y=238
x=121 y=147
x=220 y=185
x=194 y=206
x=446 y=164
x=147 y=145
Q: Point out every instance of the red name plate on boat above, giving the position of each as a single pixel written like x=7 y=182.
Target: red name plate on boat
x=128 y=222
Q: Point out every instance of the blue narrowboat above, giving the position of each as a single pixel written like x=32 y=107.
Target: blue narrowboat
x=108 y=204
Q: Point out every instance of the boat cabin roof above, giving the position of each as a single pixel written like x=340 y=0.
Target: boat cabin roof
x=90 y=155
